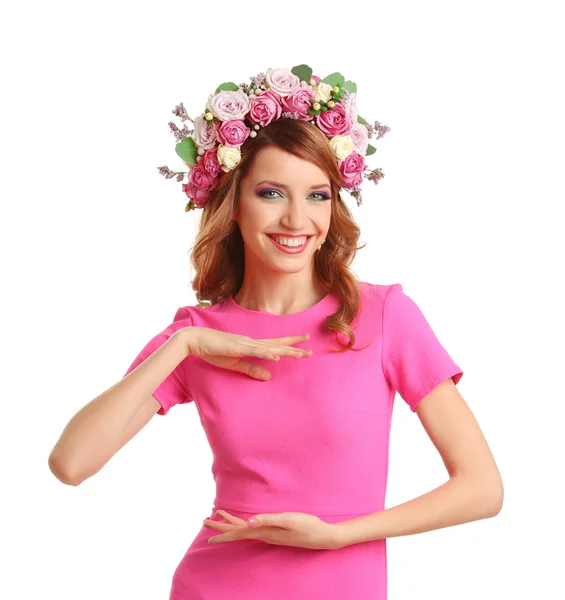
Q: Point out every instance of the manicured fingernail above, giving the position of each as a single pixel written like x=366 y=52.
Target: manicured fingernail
x=252 y=522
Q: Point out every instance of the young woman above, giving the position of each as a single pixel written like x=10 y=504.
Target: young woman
x=293 y=365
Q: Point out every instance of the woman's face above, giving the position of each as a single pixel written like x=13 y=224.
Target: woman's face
x=283 y=195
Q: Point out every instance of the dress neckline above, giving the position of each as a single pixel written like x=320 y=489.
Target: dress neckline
x=307 y=311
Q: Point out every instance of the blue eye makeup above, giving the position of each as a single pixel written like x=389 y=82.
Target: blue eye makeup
x=265 y=193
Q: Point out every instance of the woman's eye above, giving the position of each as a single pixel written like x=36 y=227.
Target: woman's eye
x=322 y=195
x=264 y=192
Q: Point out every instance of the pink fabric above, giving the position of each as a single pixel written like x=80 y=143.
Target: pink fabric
x=313 y=439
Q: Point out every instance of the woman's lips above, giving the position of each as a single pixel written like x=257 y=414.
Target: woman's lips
x=291 y=249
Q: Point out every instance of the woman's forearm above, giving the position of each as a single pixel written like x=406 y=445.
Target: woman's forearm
x=99 y=429
x=459 y=500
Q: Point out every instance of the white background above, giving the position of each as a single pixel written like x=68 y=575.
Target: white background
x=95 y=262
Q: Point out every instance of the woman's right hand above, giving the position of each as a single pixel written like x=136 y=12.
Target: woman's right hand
x=227 y=350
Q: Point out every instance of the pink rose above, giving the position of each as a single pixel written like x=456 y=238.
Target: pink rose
x=360 y=137
x=299 y=101
x=204 y=132
x=316 y=79
x=233 y=133
x=282 y=81
x=335 y=121
x=264 y=108
x=209 y=162
x=228 y=104
x=200 y=184
x=351 y=169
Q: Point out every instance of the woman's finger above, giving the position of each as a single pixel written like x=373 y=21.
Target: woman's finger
x=247 y=368
x=274 y=352
x=230 y=518
x=287 y=340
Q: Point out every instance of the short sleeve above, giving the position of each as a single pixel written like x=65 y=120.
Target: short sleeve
x=173 y=390
x=414 y=360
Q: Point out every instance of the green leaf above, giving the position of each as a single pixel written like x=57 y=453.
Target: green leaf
x=362 y=120
x=303 y=72
x=350 y=87
x=229 y=85
x=311 y=111
x=187 y=150
x=334 y=79
x=370 y=150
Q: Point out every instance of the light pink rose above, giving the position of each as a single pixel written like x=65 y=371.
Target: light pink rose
x=209 y=162
x=360 y=137
x=335 y=121
x=282 y=81
x=204 y=132
x=299 y=101
x=350 y=106
x=264 y=108
x=200 y=184
x=351 y=169
x=316 y=79
x=228 y=104
x=233 y=132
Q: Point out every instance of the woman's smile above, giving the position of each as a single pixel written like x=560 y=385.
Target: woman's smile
x=290 y=244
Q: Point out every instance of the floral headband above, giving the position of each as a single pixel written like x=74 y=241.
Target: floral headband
x=235 y=112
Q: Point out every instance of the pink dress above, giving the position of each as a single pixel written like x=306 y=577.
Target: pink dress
x=312 y=439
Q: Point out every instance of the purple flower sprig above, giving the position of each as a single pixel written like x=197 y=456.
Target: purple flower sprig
x=375 y=175
x=378 y=128
x=258 y=79
x=180 y=133
x=290 y=115
x=357 y=194
x=168 y=174
x=180 y=112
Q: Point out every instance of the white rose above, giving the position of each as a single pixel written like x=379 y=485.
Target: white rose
x=323 y=91
x=342 y=145
x=228 y=157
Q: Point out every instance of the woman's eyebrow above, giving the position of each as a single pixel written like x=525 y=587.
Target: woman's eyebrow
x=282 y=185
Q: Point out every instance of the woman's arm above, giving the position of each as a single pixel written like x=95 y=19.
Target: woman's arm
x=108 y=422
x=474 y=490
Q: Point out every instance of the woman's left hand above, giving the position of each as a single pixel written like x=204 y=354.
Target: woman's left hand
x=282 y=529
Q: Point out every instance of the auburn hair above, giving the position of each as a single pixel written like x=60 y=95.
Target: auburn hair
x=217 y=254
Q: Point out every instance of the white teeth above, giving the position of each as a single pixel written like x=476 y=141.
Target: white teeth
x=293 y=242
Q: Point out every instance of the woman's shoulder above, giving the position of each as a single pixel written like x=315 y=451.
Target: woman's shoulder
x=192 y=312
x=377 y=291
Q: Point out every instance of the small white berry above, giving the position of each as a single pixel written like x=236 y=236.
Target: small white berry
x=201 y=151
x=256 y=127
x=252 y=134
